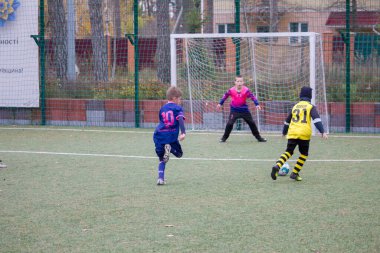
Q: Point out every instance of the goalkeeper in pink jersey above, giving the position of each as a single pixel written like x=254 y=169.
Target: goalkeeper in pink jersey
x=239 y=108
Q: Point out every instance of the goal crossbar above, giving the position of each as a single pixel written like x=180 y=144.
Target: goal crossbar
x=242 y=35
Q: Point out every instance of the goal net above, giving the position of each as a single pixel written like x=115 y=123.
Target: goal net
x=274 y=66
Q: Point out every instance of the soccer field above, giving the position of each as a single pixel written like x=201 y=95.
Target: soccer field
x=94 y=190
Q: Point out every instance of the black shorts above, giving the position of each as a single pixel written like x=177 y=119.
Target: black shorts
x=176 y=149
x=303 y=146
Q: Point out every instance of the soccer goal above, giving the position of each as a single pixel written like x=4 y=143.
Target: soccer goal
x=274 y=66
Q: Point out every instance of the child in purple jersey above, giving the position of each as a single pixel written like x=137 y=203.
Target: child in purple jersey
x=165 y=136
x=239 y=108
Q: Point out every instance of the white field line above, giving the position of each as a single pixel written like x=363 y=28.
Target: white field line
x=183 y=158
x=195 y=132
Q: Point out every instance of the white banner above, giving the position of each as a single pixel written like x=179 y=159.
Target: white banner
x=19 y=71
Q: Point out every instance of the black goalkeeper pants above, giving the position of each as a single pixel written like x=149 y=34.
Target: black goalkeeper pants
x=247 y=116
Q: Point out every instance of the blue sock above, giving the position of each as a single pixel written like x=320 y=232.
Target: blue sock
x=161 y=170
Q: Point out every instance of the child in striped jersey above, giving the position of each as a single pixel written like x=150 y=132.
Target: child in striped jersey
x=297 y=128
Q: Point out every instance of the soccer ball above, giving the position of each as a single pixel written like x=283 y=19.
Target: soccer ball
x=284 y=170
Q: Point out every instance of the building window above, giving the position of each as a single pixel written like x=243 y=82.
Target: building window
x=263 y=29
x=298 y=27
x=226 y=28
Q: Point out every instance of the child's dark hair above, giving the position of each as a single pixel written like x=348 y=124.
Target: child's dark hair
x=173 y=92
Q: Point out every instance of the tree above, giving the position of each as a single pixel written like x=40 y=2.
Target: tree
x=57 y=21
x=209 y=16
x=187 y=6
x=177 y=8
x=273 y=15
x=99 y=43
x=117 y=24
x=148 y=6
x=193 y=21
x=268 y=14
x=163 y=41
x=354 y=9
x=117 y=33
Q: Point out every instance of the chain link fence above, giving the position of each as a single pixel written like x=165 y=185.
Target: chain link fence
x=107 y=62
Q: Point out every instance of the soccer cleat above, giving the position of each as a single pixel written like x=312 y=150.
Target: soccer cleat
x=160 y=181
x=295 y=176
x=274 y=173
x=261 y=139
x=222 y=140
x=2 y=165
x=167 y=153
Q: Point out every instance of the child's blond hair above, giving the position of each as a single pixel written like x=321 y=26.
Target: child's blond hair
x=173 y=92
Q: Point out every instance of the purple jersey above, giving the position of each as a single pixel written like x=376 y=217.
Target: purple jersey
x=238 y=99
x=168 y=129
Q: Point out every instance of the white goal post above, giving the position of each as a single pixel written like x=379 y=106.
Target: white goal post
x=274 y=66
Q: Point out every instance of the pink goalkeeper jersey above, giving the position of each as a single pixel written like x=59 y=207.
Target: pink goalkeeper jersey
x=238 y=99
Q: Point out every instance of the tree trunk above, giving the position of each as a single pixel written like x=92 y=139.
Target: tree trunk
x=209 y=9
x=178 y=7
x=273 y=15
x=117 y=30
x=163 y=41
x=117 y=24
x=187 y=8
x=58 y=23
x=354 y=9
x=99 y=43
x=149 y=6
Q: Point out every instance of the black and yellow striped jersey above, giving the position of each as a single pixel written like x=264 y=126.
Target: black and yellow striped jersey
x=298 y=123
